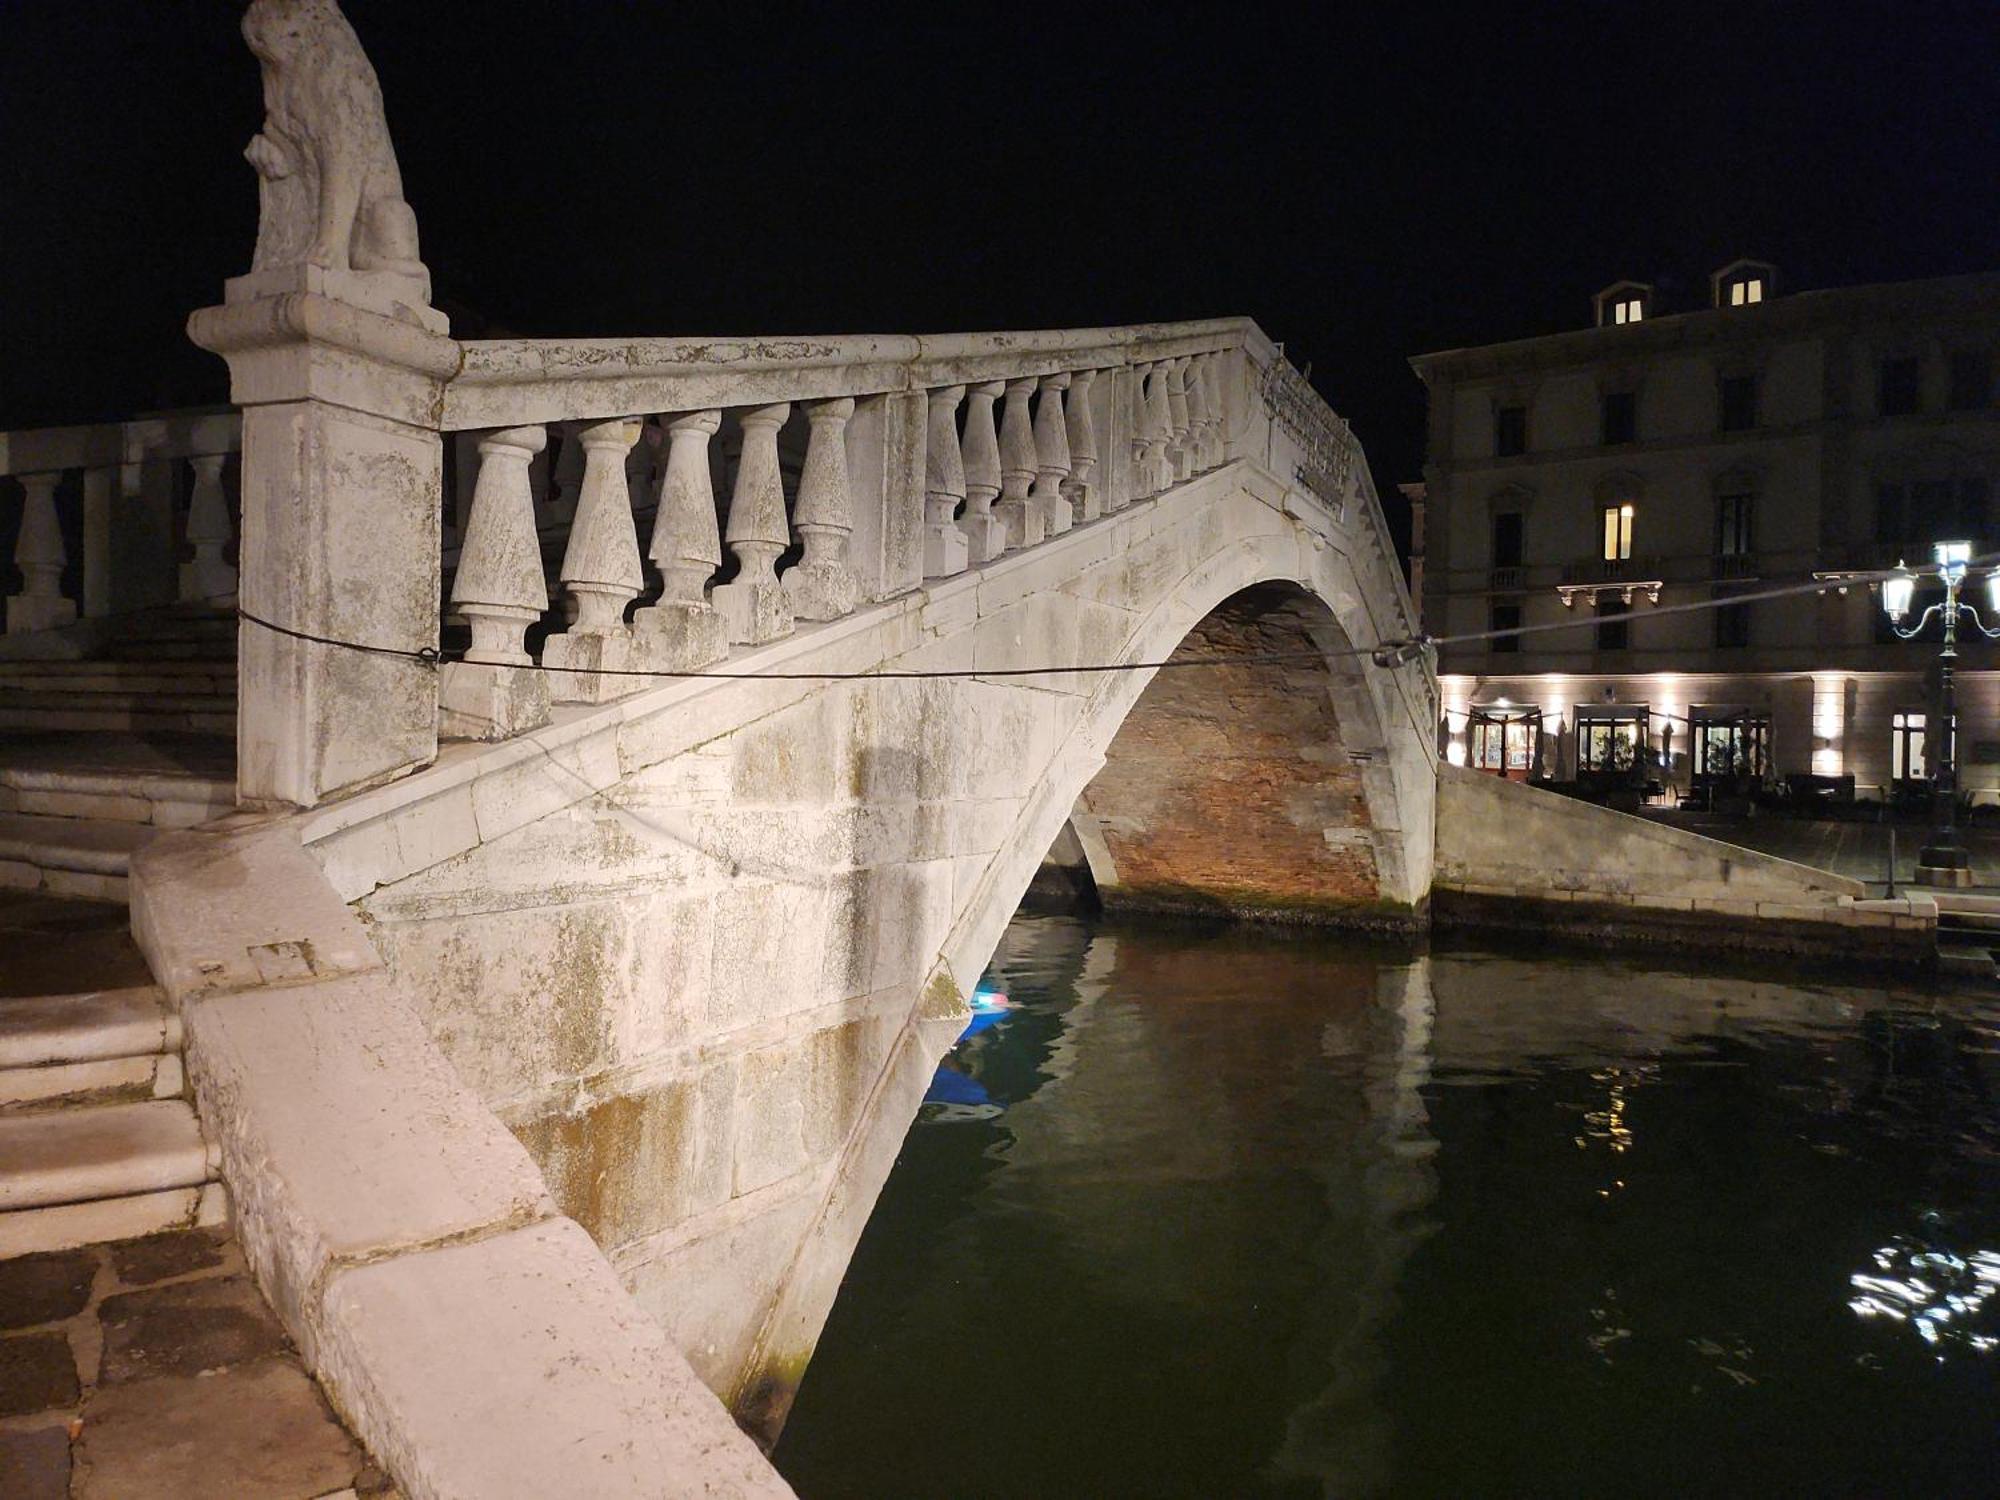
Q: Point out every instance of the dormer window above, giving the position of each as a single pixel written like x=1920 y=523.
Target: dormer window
x=1744 y=283
x=1623 y=302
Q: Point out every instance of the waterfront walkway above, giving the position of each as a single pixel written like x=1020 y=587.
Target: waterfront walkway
x=1859 y=850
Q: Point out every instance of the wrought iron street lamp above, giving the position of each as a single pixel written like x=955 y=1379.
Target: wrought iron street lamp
x=1943 y=861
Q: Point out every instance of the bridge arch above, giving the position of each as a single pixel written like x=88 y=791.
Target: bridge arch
x=701 y=949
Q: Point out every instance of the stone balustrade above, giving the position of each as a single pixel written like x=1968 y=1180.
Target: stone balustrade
x=614 y=510
x=118 y=516
x=854 y=470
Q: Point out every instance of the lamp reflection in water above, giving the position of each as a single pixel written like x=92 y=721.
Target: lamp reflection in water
x=1936 y=1291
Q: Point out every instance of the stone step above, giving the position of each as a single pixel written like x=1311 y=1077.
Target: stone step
x=39 y=1030
x=108 y=1080
x=30 y=1231
x=80 y=857
x=213 y=716
x=117 y=1151
x=1966 y=961
x=57 y=790
x=113 y=670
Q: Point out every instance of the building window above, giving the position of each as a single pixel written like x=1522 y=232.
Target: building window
x=1729 y=746
x=1971 y=380
x=1612 y=634
x=1733 y=525
x=1510 y=431
x=1505 y=741
x=1629 y=309
x=1505 y=617
x=1611 y=742
x=1618 y=531
x=1889 y=513
x=1619 y=411
x=1732 y=625
x=1906 y=747
x=1507 y=539
x=1745 y=292
x=1896 y=386
x=1739 y=403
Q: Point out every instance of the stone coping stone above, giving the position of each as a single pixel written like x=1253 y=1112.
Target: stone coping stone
x=231 y=908
x=345 y=1134
x=519 y=1366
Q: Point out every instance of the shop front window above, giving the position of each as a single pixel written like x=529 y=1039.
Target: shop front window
x=1729 y=746
x=1506 y=742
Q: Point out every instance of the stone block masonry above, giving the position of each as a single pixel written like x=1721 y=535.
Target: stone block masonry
x=1519 y=858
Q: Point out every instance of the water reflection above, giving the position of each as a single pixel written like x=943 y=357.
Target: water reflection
x=1205 y=1216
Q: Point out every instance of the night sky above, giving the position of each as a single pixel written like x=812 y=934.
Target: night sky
x=1366 y=182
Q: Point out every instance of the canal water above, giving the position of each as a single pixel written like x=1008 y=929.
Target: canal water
x=1217 y=1216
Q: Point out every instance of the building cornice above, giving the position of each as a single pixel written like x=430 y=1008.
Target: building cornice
x=1852 y=309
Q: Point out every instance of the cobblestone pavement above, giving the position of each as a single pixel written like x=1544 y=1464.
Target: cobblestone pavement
x=152 y=1369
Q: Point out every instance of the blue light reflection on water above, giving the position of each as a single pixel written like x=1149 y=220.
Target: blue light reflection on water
x=1238 y=1217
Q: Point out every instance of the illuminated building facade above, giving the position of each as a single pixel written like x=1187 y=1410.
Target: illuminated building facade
x=1671 y=457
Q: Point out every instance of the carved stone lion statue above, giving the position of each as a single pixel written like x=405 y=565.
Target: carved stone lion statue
x=331 y=194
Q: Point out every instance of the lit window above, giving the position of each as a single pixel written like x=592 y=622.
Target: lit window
x=1906 y=748
x=1628 y=310
x=1618 y=531
x=1743 y=293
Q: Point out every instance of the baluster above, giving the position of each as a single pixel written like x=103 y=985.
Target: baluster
x=683 y=631
x=1211 y=393
x=752 y=605
x=985 y=533
x=39 y=554
x=600 y=573
x=945 y=546
x=1179 y=452
x=1199 y=461
x=822 y=586
x=1052 y=460
x=208 y=576
x=1117 y=469
x=1139 y=417
x=497 y=691
x=1081 y=486
x=1018 y=514
x=1158 y=430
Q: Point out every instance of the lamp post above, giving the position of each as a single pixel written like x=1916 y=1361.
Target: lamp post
x=1942 y=861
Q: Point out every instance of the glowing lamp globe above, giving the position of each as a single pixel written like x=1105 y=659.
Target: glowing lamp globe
x=1897 y=590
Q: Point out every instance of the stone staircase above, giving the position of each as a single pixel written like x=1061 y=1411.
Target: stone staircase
x=98 y=755
x=97 y=1141
x=165 y=671
x=1968 y=936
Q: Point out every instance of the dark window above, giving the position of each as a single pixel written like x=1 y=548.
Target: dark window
x=1933 y=510
x=1732 y=625
x=1971 y=380
x=1505 y=617
x=1621 y=416
x=1612 y=635
x=1897 y=386
x=1739 y=402
x=1889 y=513
x=1732 y=525
x=1972 y=509
x=1510 y=431
x=1507 y=539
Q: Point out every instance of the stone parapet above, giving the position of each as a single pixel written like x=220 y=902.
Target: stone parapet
x=478 y=1340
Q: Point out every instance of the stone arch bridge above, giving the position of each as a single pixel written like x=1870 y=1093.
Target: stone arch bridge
x=700 y=946
x=616 y=953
